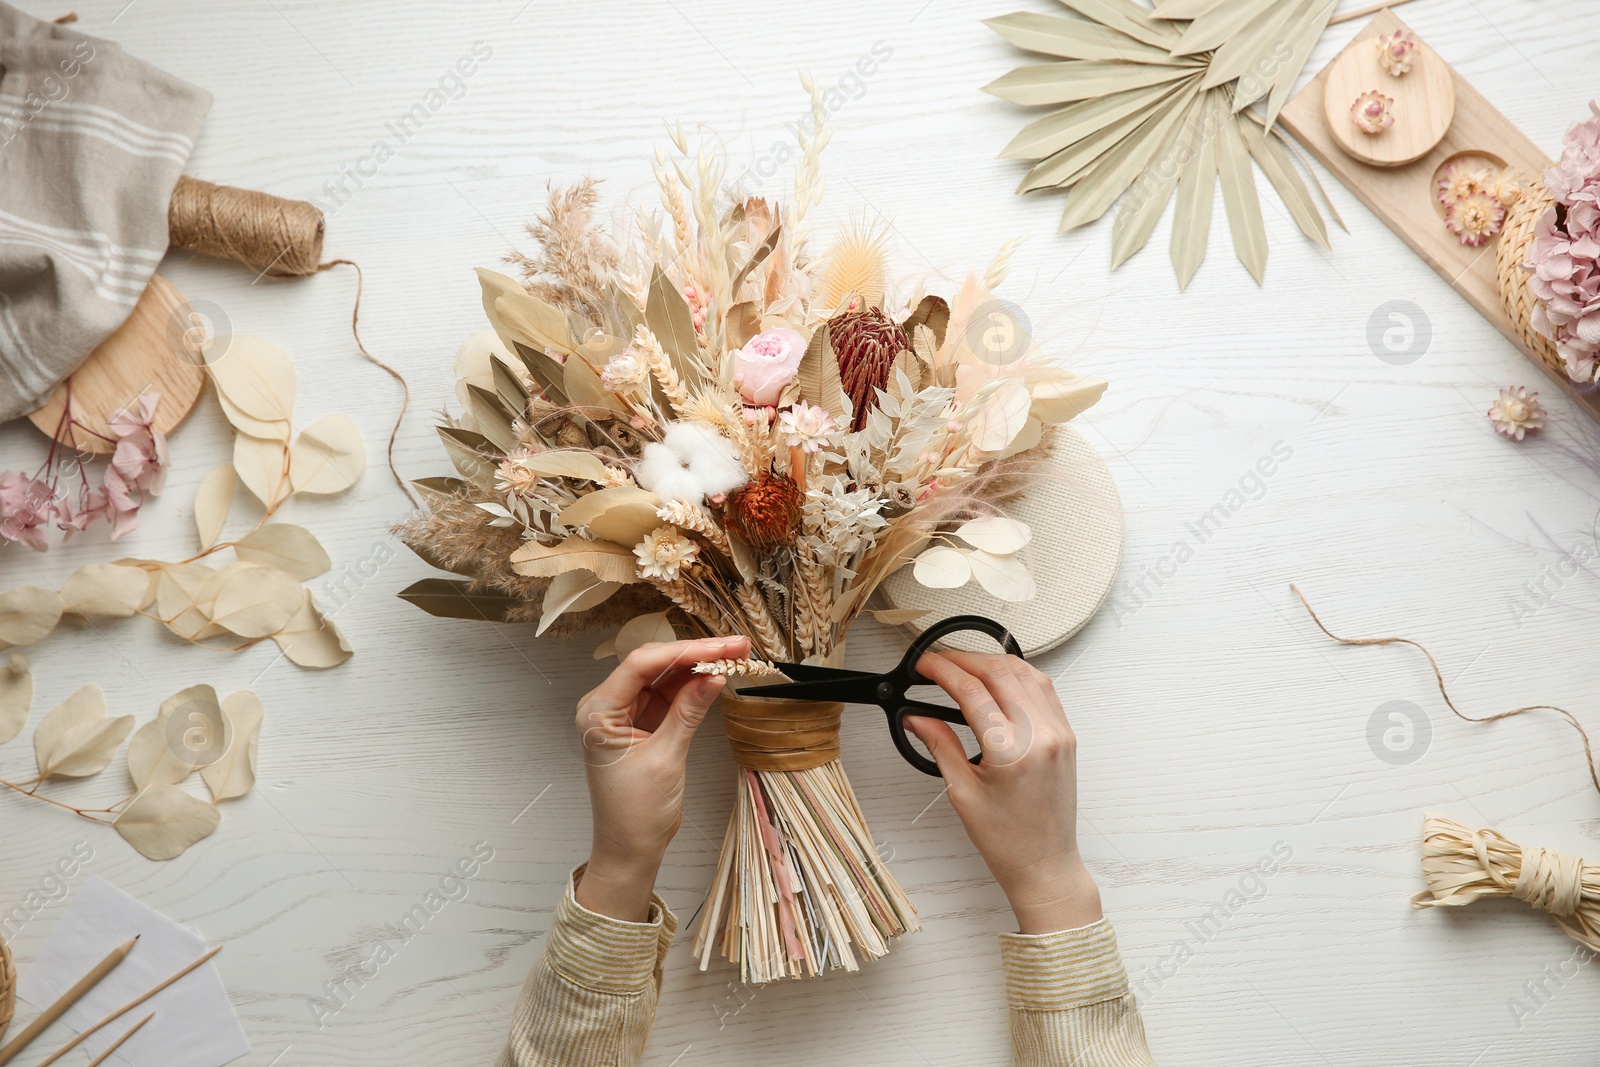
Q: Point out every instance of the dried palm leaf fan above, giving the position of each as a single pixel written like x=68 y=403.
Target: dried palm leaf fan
x=1162 y=103
x=710 y=430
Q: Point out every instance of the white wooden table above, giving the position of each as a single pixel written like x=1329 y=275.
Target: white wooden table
x=1216 y=724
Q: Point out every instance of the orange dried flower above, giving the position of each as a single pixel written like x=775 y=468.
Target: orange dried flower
x=765 y=511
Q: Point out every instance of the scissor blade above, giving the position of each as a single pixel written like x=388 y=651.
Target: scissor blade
x=807 y=672
x=848 y=687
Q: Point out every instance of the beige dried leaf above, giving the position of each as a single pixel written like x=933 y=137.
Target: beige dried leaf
x=604 y=560
x=256 y=377
x=622 y=515
x=212 y=501
x=252 y=601
x=27 y=614
x=267 y=429
x=942 y=567
x=163 y=821
x=76 y=739
x=569 y=463
x=290 y=548
x=328 y=456
x=995 y=533
x=1005 y=577
x=108 y=590
x=311 y=640
x=263 y=467
x=1002 y=416
x=179 y=603
x=899 y=616
x=234 y=774
x=576 y=590
x=189 y=732
x=643 y=630
x=16 y=696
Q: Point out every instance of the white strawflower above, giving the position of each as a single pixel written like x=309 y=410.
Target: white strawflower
x=806 y=426
x=625 y=373
x=663 y=553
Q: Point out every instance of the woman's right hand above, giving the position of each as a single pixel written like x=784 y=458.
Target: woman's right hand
x=1020 y=804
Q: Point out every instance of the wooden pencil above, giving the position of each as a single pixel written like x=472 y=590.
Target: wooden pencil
x=59 y=1008
x=75 y=1042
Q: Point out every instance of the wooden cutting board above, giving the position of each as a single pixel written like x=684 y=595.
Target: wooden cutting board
x=157 y=348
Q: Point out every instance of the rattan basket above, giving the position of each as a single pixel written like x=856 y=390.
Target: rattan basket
x=1516 y=238
x=8 y=986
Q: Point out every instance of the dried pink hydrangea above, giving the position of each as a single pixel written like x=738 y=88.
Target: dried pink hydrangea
x=1564 y=260
x=1372 y=112
x=1474 y=218
x=1397 y=52
x=1517 y=413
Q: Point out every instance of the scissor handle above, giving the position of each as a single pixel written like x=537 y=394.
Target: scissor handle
x=910 y=677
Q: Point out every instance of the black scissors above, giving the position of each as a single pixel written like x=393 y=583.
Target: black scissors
x=888 y=691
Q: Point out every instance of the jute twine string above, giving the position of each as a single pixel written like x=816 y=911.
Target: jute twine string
x=1462 y=865
x=1438 y=676
x=274 y=237
x=781 y=735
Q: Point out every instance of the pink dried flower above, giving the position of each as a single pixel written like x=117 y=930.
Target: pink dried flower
x=806 y=426
x=663 y=553
x=1517 y=413
x=138 y=465
x=1475 y=218
x=1462 y=179
x=1576 y=177
x=26 y=505
x=767 y=363
x=1397 y=52
x=1564 y=266
x=1371 y=112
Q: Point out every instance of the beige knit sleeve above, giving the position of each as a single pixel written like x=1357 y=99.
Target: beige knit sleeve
x=1070 y=1003
x=591 y=997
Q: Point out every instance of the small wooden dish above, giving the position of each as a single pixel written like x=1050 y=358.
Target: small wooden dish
x=1424 y=104
x=155 y=349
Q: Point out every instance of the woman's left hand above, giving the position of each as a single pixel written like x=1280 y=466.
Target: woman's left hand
x=636 y=727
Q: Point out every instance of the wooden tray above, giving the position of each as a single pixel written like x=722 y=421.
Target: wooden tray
x=1403 y=196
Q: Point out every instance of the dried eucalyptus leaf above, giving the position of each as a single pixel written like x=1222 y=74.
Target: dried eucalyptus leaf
x=263 y=467
x=266 y=429
x=942 y=567
x=256 y=377
x=253 y=601
x=212 y=501
x=1004 y=577
x=899 y=616
x=311 y=639
x=179 y=590
x=290 y=548
x=234 y=774
x=76 y=740
x=189 y=732
x=995 y=533
x=104 y=589
x=16 y=696
x=163 y=821
x=27 y=614
x=327 y=457
x=644 y=630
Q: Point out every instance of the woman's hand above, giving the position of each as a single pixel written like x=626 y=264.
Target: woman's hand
x=1020 y=804
x=636 y=727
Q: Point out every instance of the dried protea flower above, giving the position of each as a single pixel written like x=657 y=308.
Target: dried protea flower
x=1475 y=218
x=1397 y=52
x=1372 y=112
x=1517 y=413
x=865 y=344
x=765 y=511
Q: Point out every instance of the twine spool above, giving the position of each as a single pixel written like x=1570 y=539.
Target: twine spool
x=8 y=986
x=1511 y=252
x=269 y=234
x=781 y=735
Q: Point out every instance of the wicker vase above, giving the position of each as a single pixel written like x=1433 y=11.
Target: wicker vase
x=1516 y=238
x=8 y=986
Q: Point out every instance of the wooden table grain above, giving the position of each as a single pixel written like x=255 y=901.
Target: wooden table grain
x=1217 y=727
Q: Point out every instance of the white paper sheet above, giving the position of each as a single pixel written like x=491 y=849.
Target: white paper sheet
x=194 y=1026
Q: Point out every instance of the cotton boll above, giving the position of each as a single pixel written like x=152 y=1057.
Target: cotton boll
x=661 y=471
x=710 y=458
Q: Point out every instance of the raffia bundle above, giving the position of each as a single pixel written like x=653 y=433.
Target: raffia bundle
x=1463 y=865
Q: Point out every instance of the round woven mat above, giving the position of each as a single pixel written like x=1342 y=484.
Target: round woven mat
x=8 y=986
x=1516 y=238
x=1076 y=518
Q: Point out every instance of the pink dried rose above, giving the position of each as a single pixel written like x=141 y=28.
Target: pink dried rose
x=1371 y=112
x=767 y=363
x=1475 y=218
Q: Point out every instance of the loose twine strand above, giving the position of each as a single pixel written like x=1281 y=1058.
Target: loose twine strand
x=1438 y=676
x=275 y=237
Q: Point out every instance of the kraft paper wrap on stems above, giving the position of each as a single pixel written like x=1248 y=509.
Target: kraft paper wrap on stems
x=797 y=846
x=1462 y=865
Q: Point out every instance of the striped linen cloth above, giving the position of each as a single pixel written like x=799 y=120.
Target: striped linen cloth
x=91 y=145
x=591 y=998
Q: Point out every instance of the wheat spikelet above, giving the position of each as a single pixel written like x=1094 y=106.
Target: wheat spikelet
x=696 y=604
x=737 y=668
x=813 y=603
x=696 y=519
x=660 y=366
x=764 y=632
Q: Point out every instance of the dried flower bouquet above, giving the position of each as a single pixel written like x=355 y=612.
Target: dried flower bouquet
x=708 y=429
